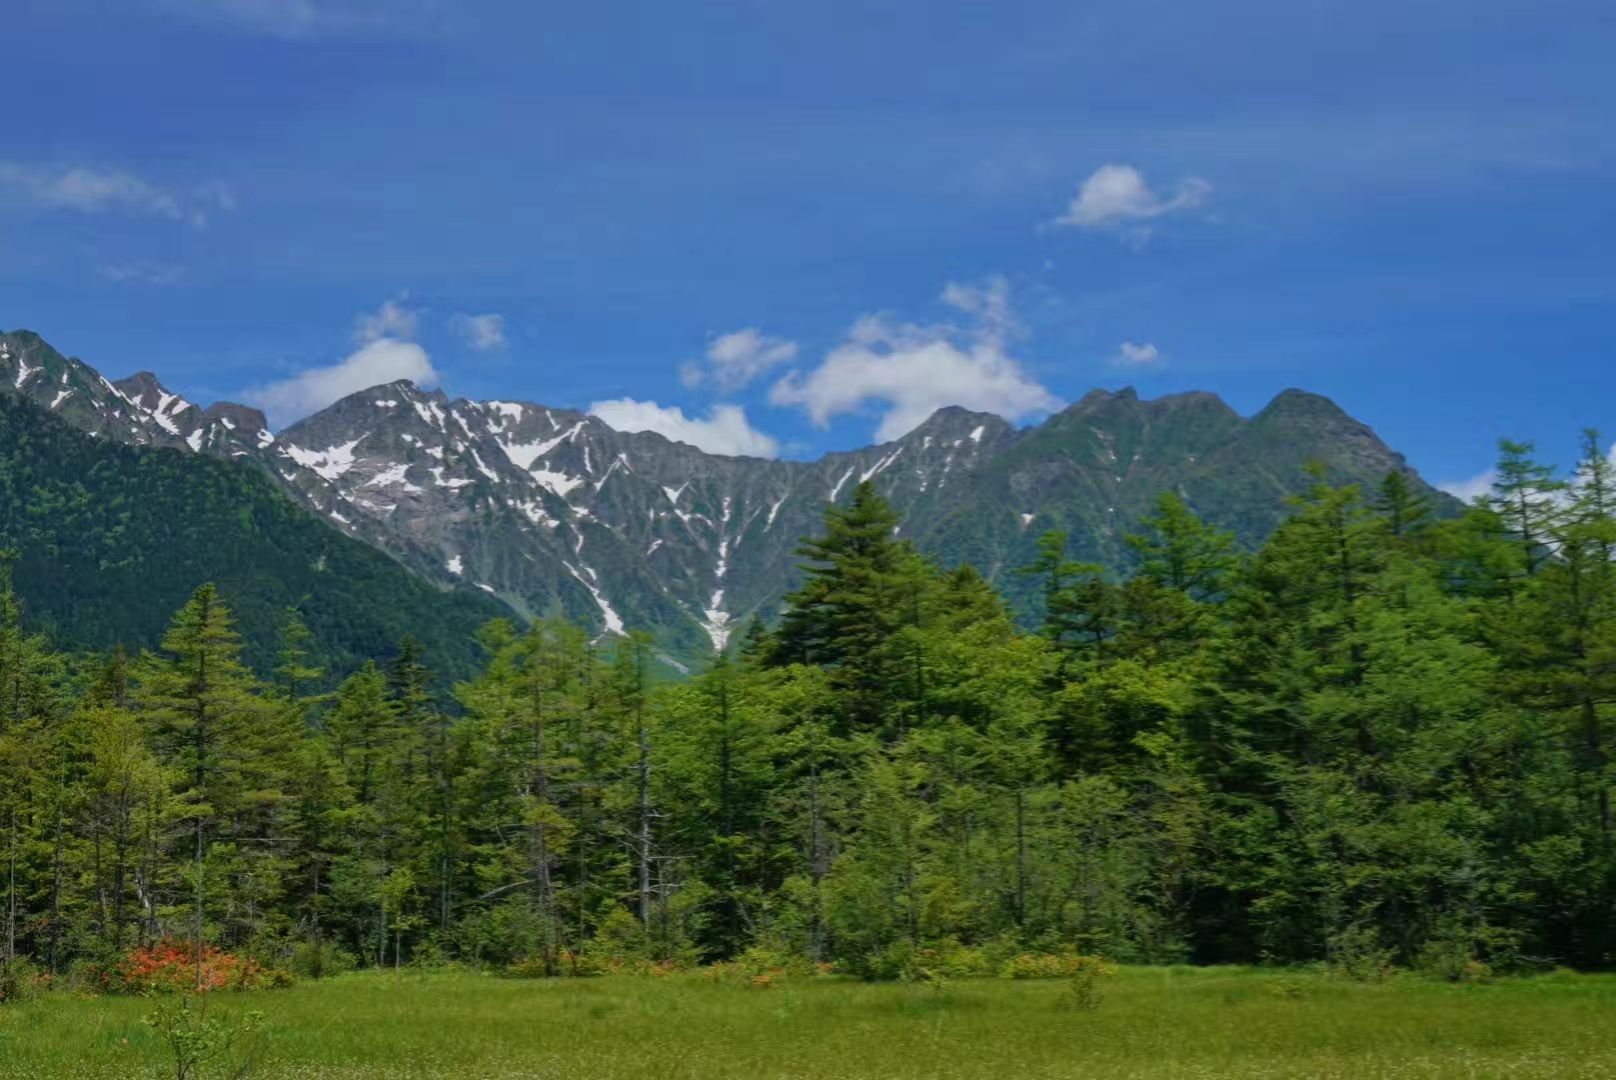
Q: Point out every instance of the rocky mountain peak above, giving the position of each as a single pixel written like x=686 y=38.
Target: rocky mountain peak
x=168 y=410
x=551 y=509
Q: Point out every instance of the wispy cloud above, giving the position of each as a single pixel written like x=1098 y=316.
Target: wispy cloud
x=909 y=370
x=725 y=429
x=485 y=333
x=1118 y=195
x=295 y=19
x=142 y=273
x=103 y=191
x=391 y=320
x=735 y=359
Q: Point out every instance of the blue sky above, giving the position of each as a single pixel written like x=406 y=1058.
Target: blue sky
x=804 y=224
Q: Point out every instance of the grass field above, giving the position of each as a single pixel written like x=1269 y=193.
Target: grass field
x=1177 y=1022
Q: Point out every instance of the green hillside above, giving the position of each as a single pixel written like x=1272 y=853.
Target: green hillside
x=111 y=539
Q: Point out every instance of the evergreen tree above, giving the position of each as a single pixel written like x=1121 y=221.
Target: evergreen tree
x=1526 y=496
x=1180 y=551
x=211 y=724
x=857 y=593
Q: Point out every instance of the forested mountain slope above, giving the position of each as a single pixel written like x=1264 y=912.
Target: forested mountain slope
x=109 y=539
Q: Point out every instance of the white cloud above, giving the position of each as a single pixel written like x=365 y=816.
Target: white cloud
x=382 y=360
x=724 y=431
x=1118 y=195
x=1469 y=490
x=485 y=333
x=391 y=320
x=100 y=191
x=1131 y=355
x=911 y=371
x=735 y=359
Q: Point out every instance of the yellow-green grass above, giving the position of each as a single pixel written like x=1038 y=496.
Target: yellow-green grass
x=1151 y=1022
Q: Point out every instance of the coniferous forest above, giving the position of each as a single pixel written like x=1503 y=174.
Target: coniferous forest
x=1381 y=738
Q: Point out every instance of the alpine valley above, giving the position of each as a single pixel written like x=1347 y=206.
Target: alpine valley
x=549 y=510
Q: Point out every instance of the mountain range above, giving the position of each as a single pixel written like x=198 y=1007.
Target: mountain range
x=549 y=510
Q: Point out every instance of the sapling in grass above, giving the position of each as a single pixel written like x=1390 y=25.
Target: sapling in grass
x=202 y=1042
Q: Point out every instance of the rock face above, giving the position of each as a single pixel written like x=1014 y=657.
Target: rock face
x=552 y=511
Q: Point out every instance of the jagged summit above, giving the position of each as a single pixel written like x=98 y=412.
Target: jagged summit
x=552 y=510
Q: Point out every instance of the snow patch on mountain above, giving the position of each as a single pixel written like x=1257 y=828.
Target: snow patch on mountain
x=327 y=464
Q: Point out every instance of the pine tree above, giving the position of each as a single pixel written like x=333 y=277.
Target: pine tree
x=1404 y=510
x=295 y=672
x=1081 y=608
x=213 y=727
x=1180 y=551
x=1526 y=495
x=857 y=593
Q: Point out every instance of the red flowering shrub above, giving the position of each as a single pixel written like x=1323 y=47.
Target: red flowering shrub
x=171 y=965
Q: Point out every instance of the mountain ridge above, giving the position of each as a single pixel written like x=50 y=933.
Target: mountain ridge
x=554 y=512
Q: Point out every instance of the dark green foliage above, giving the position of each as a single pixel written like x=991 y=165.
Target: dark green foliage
x=110 y=539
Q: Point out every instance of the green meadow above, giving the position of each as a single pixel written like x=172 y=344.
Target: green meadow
x=1149 y=1022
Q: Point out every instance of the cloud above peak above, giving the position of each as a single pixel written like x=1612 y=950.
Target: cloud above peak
x=384 y=355
x=485 y=333
x=383 y=360
x=908 y=370
x=1116 y=195
x=391 y=320
x=725 y=429
x=735 y=359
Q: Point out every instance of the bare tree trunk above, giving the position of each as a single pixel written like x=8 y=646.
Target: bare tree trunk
x=201 y=778
x=56 y=891
x=645 y=823
x=11 y=894
x=1021 y=855
x=120 y=871
x=197 y=927
x=816 y=859
x=539 y=783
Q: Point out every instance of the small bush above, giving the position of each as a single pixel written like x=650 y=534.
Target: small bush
x=1083 y=982
x=763 y=967
x=950 y=959
x=1452 y=959
x=1356 y=954
x=171 y=965
x=1459 y=951
x=889 y=963
x=199 y=1041
x=564 y=962
x=21 y=980
x=431 y=956
x=621 y=946
x=1050 y=965
x=318 y=959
